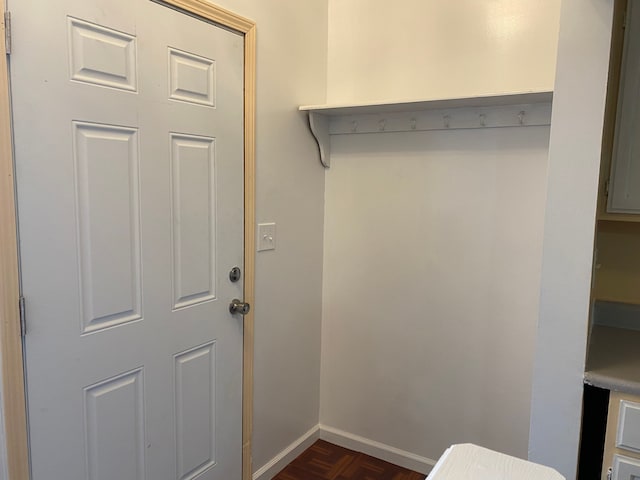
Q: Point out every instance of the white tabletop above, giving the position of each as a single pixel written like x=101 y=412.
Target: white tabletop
x=471 y=462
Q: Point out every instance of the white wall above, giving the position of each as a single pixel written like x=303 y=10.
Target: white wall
x=416 y=49
x=433 y=241
x=431 y=275
x=292 y=46
x=425 y=50
x=574 y=161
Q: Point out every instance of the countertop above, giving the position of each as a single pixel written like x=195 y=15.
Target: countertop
x=613 y=359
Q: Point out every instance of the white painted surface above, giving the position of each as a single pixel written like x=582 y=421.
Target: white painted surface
x=266 y=236
x=443 y=114
x=624 y=189
x=319 y=125
x=628 y=435
x=376 y=449
x=574 y=162
x=431 y=282
x=363 y=108
x=290 y=192
x=625 y=468
x=127 y=233
x=467 y=461
x=290 y=188
x=444 y=119
x=414 y=49
x=448 y=114
x=287 y=455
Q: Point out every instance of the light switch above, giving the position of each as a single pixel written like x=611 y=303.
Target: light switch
x=266 y=236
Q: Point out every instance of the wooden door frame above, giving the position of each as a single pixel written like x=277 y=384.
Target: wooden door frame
x=11 y=355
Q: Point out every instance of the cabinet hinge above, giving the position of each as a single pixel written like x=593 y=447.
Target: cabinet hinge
x=7 y=32
x=23 y=317
x=606 y=188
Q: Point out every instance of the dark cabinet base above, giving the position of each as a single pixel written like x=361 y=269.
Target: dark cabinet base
x=595 y=406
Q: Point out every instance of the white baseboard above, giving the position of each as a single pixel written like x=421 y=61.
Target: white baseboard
x=346 y=440
x=377 y=449
x=286 y=456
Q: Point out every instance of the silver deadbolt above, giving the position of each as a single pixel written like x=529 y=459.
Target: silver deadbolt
x=235 y=274
x=236 y=306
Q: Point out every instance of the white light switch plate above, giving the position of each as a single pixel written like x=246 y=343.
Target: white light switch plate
x=266 y=236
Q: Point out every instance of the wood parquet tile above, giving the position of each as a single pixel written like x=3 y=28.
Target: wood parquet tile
x=325 y=461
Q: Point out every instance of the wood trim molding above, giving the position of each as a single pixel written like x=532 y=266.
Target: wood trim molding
x=213 y=13
x=13 y=387
x=249 y=245
x=10 y=339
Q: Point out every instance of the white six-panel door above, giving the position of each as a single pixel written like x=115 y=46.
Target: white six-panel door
x=128 y=124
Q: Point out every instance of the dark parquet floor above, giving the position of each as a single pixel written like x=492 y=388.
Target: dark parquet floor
x=325 y=461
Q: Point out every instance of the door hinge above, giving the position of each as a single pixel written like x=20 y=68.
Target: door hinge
x=7 y=32
x=23 y=317
x=606 y=188
x=610 y=473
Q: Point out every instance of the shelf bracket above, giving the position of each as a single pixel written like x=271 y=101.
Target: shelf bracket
x=319 y=125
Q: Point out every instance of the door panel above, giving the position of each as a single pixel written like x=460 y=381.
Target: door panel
x=625 y=468
x=191 y=78
x=114 y=409
x=108 y=223
x=193 y=212
x=128 y=121
x=101 y=56
x=195 y=410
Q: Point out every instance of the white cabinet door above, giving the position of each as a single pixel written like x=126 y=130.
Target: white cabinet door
x=128 y=121
x=624 y=187
x=628 y=436
x=625 y=468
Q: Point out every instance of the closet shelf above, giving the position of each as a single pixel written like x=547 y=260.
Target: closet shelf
x=513 y=110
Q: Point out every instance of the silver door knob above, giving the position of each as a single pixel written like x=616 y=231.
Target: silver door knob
x=236 y=306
